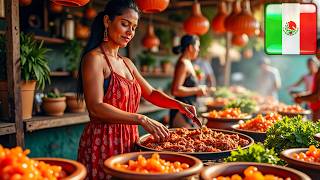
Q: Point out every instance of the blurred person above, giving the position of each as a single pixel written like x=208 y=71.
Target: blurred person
x=204 y=65
x=312 y=98
x=269 y=80
x=185 y=85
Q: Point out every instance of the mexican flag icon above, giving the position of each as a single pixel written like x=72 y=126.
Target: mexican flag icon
x=290 y=28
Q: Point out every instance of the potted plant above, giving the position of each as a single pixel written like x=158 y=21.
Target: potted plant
x=146 y=61
x=73 y=53
x=34 y=70
x=166 y=66
x=74 y=105
x=54 y=103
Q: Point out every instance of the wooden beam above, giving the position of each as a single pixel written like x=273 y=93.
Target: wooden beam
x=227 y=64
x=13 y=68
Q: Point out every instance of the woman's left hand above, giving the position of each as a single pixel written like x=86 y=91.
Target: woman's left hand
x=190 y=112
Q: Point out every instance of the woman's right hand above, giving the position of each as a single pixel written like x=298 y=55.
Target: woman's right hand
x=155 y=128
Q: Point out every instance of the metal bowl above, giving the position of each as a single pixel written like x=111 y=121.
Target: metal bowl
x=223 y=123
x=257 y=136
x=228 y=169
x=201 y=155
x=73 y=169
x=194 y=163
x=289 y=114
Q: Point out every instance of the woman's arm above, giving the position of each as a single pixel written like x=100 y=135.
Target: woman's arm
x=93 y=79
x=297 y=83
x=312 y=97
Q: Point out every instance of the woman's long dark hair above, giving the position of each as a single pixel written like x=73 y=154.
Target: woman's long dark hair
x=185 y=41
x=112 y=9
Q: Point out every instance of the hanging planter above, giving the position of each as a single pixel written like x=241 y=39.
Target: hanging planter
x=90 y=13
x=25 y=2
x=82 y=31
x=55 y=8
x=152 y=6
x=244 y=22
x=72 y=3
x=217 y=22
x=236 y=9
x=150 y=40
x=240 y=40
x=196 y=24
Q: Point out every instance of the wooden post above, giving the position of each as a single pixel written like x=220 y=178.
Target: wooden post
x=13 y=68
x=227 y=64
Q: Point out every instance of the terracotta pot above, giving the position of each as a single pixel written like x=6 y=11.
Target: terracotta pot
x=166 y=67
x=236 y=9
x=73 y=104
x=152 y=6
x=25 y=2
x=196 y=24
x=54 y=106
x=73 y=169
x=72 y=3
x=27 y=95
x=55 y=8
x=239 y=40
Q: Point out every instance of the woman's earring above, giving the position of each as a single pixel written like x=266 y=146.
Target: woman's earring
x=105 y=35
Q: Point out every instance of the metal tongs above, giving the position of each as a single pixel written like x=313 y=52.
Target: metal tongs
x=196 y=120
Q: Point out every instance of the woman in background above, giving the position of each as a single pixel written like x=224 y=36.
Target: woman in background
x=112 y=86
x=185 y=85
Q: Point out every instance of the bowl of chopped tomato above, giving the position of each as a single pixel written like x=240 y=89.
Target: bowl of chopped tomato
x=258 y=126
x=151 y=165
x=71 y=170
x=304 y=159
x=248 y=170
x=225 y=119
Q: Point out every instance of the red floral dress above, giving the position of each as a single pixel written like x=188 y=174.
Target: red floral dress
x=100 y=140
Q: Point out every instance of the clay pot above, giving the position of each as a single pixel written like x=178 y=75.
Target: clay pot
x=54 y=106
x=73 y=104
x=72 y=3
x=25 y=2
x=90 y=13
x=82 y=31
x=196 y=24
x=150 y=40
x=166 y=68
x=152 y=6
x=55 y=8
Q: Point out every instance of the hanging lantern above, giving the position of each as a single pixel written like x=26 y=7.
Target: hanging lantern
x=240 y=40
x=55 y=8
x=82 y=31
x=217 y=22
x=152 y=6
x=25 y=2
x=90 y=13
x=73 y=3
x=236 y=9
x=150 y=40
x=244 y=22
x=196 y=24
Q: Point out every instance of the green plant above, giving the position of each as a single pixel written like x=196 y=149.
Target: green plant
x=3 y=65
x=223 y=92
x=54 y=95
x=255 y=153
x=245 y=105
x=34 y=64
x=165 y=61
x=292 y=133
x=73 y=54
x=147 y=59
x=165 y=36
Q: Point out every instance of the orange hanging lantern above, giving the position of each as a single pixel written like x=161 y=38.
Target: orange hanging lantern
x=240 y=40
x=55 y=8
x=150 y=40
x=25 y=2
x=196 y=24
x=90 y=13
x=152 y=6
x=217 y=22
x=73 y=3
x=82 y=31
x=236 y=9
x=244 y=22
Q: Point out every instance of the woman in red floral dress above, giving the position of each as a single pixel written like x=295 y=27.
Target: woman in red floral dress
x=111 y=86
